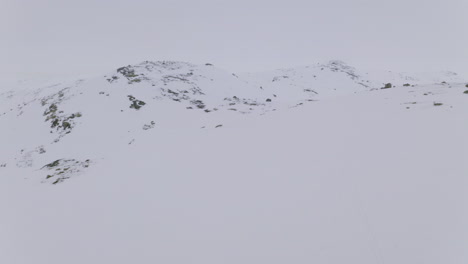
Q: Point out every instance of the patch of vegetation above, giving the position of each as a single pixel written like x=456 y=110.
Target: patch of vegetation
x=127 y=71
x=130 y=74
x=51 y=110
x=66 y=125
x=53 y=164
x=198 y=103
x=465 y=92
x=62 y=169
x=387 y=86
x=136 y=104
x=136 y=80
x=406 y=84
x=437 y=104
x=61 y=122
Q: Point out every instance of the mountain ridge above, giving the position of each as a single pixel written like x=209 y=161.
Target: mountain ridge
x=140 y=97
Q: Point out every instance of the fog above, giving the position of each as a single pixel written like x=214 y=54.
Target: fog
x=88 y=36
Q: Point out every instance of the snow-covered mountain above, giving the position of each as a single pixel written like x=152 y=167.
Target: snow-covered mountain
x=81 y=120
x=180 y=163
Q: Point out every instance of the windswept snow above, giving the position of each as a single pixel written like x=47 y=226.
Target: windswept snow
x=170 y=162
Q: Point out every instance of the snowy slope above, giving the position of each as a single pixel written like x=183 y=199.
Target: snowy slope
x=86 y=119
x=329 y=79
x=353 y=175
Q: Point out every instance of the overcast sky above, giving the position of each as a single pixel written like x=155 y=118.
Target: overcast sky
x=94 y=36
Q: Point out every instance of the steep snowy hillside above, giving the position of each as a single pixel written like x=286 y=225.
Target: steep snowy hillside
x=169 y=162
x=80 y=122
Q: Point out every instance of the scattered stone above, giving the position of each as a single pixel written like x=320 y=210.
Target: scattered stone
x=150 y=126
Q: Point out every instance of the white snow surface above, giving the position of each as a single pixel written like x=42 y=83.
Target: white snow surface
x=175 y=163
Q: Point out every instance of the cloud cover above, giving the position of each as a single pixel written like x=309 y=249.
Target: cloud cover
x=88 y=36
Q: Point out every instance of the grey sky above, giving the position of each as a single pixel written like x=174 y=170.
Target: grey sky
x=91 y=36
